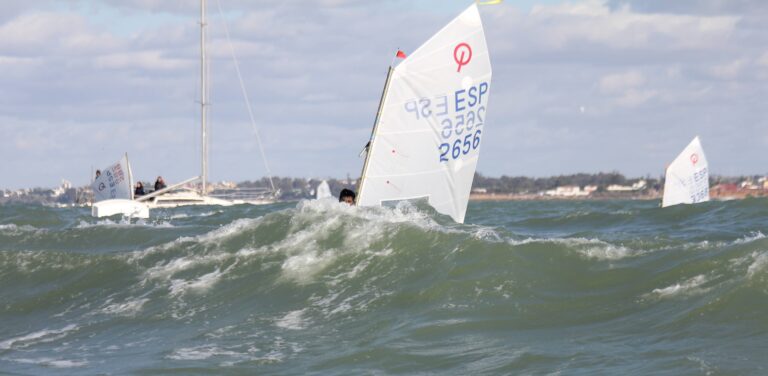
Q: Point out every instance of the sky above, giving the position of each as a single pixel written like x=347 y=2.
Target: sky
x=578 y=86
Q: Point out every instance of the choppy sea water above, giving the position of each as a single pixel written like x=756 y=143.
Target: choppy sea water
x=538 y=288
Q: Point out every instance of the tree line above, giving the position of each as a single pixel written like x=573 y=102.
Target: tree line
x=296 y=188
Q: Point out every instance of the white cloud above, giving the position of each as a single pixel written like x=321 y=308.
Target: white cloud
x=619 y=82
x=729 y=70
x=763 y=60
x=636 y=97
x=44 y=33
x=20 y=65
x=591 y=21
x=745 y=7
x=626 y=89
x=150 y=60
x=13 y=60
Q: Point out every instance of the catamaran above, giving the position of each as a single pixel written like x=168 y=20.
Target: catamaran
x=426 y=137
x=182 y=194
x=687 y=177
x=186 y=193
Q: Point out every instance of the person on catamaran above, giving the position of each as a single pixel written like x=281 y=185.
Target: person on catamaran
x=159 y=183
x=139 y=191
x=347 y=196
x=98 y=173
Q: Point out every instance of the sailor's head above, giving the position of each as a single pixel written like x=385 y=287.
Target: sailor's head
x=160 y=179
x=139 y=185
x=347 y=196
x=98 y=173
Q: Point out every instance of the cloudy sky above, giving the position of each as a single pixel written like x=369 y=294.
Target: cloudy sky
x=579 y=86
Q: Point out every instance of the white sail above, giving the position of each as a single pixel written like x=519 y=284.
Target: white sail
x=323 y=191
x=687 y=180
x=115 y=182
x=427 y=139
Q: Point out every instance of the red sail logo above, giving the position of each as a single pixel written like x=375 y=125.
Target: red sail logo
x=462 y=54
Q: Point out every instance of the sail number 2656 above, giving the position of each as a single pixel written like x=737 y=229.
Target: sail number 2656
x=459 y=148
x=461 y=133
x=457 y=117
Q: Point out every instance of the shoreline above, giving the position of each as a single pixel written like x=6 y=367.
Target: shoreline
x=604 y=197
x=534 y=197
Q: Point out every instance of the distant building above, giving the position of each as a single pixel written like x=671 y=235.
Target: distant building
x=60 y=190
x=639 y=186
x=479 y=190
x=227 y=185
x=750 y=185
x=724 y=189
x=567 y=191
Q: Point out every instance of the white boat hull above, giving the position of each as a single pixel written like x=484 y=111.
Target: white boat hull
x=126 y=208
x=193 y=198
x=190 y=197
x=185 y=198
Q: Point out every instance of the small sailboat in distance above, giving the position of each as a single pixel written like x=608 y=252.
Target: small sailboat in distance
x=687 y=177
x=323 y=190
x=426 y=138
x=113 y=192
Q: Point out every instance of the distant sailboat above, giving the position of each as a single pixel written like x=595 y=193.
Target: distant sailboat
x=687 y=178
x=426 y=138
x=323 y=191
x=113 y=192
x=181 y=194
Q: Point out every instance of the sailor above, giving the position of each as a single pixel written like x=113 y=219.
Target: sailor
x=98 y=173
x=139 y=191
x=159 y=183
x=347 y=196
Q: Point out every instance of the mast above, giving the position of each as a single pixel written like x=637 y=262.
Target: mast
x=203 y=100
x=369 y=147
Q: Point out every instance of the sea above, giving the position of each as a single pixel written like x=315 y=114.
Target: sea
x=321 y=288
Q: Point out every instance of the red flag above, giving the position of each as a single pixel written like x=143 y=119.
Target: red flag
x=400 y=54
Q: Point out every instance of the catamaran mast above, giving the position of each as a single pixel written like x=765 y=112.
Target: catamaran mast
x=203 y=99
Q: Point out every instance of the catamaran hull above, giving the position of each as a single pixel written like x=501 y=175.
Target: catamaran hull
x=174 y=200
x=192 y=198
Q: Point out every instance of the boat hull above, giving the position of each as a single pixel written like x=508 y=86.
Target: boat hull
x=126 y=208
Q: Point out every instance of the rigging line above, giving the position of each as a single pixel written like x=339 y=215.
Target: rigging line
x=245 y=96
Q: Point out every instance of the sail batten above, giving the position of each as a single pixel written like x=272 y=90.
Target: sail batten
x=426 y=140
x=410 y=174
x=687 y=177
